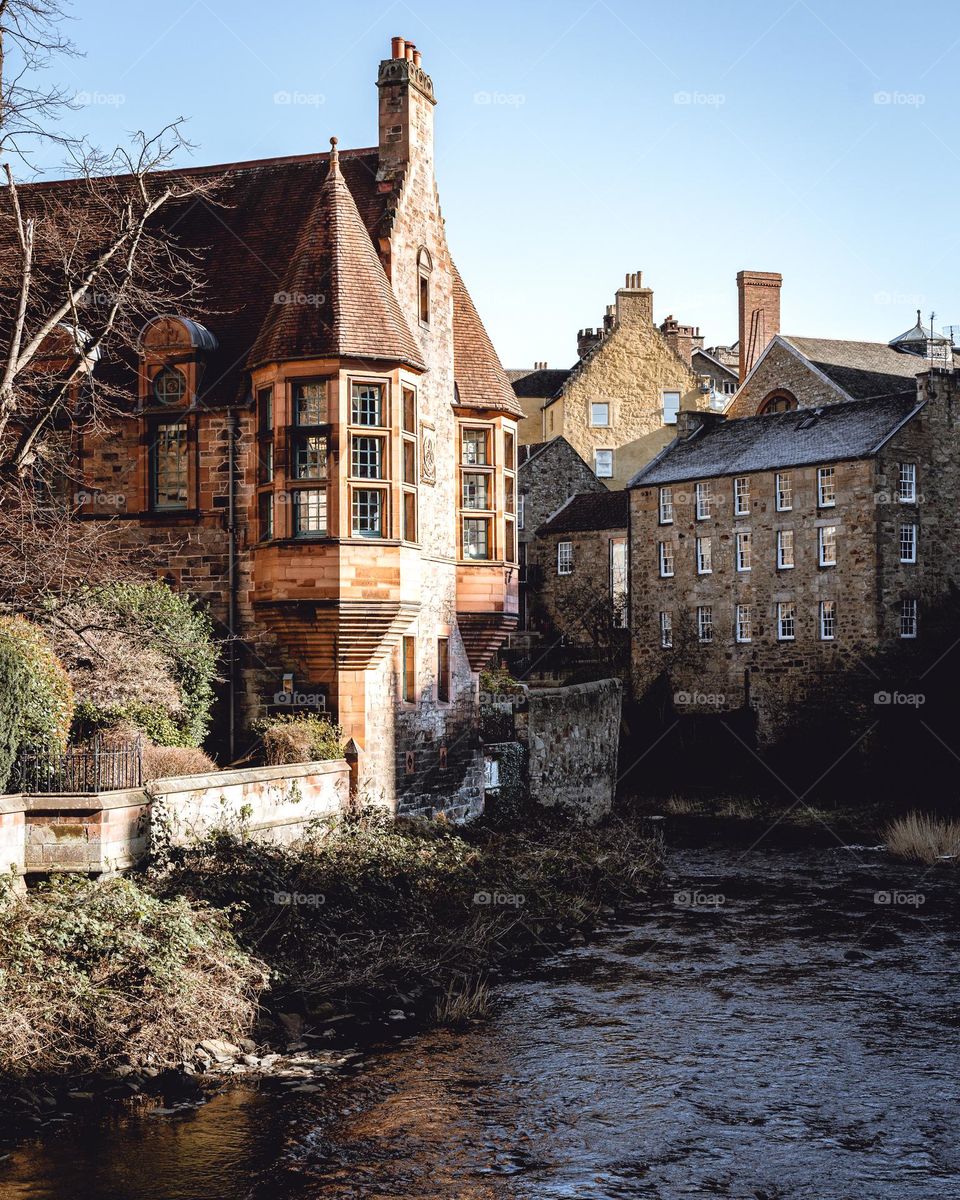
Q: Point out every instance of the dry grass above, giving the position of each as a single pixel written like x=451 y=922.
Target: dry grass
x=919 y=837
x=163 y=762
x=468 y=1000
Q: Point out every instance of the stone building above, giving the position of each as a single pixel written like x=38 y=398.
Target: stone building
x=330 y=453
x=578 y=569
x=532 y=389
x=775 y=550
x=780 y=372
x=617 y=407
x=548 y=475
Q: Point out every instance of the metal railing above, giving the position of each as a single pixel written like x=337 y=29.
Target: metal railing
x=93 y=767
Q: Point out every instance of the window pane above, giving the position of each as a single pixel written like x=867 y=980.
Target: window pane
x=410 y=516
x=666 y=506
x=409 y=461
x=600 y=414
x=310 y=403
x=476 y=538
x=366 y=404
x=784 y=492
x=170 y=386
x=510 y=539
x=475 y=447
x=443 y=670
x=476 y=490
x=603 y=463
x=265 y=505
x=368 y=512
x=310 y=457
x=564 y=558
x=410 y=669
x=310 y=513
x=666 y=630
x=409 y=410
x=671 y=406
x=367 y=462
x=509 y=451
x=170 y=466
x=265 y=410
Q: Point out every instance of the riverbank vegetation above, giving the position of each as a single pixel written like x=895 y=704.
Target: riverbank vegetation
x=921 y=837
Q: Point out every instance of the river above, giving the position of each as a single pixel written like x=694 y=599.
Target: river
x=779 y=1026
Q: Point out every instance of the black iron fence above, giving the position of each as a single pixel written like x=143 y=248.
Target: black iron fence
x=93 y=767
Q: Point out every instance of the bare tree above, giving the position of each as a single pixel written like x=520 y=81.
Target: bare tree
x=83 y=265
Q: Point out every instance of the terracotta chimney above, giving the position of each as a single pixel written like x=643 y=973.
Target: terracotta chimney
x=417 y=57
x=398 y=47
x=759 y=314
x=410 y=49
x=406 y=113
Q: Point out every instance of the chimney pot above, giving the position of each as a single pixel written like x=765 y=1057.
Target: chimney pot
x=398 y=47
x=416 y=58
x=410 y=47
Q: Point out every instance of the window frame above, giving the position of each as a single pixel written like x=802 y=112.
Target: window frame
x=154 y=465
x=669 y=416
x=824 y=620
x=909 y=617
x=911 y=543
x=487 y=522
x=408 y=669
x=665 y=552
x=443 y=670
x=783 y=617
x=665 y=505
x=782 y=491
x=594 y=423
x=703 y=501
x=306 y=532
x=666 y=629
x=743 y=540
x=739 y=636
x=910 y=479
x=741 y=509
x=822 y=545
x=596 y=462
x=823 y=475
x=705 y=624
x=782 y=536
x=704 y=560
x=355 y=402
x=383 y=504
x=565 y=558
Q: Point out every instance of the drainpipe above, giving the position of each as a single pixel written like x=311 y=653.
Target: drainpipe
x=232 y=426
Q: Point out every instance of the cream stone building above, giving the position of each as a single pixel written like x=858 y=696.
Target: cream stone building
x=617 y=407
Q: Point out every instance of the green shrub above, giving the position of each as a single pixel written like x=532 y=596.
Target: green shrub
x=93 y=972
x=147 y=655
x=292 y=739
x=38 y=699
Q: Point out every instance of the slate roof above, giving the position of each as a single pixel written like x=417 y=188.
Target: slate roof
x=851 y=429
x=861 y=369
x=542 y=385
x=336 y=300
x=480 y=379
x=590 y=511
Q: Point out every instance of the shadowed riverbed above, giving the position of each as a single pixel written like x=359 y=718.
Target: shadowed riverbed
x=773 y=1028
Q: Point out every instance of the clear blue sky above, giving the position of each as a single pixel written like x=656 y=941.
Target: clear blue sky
x=686 y=140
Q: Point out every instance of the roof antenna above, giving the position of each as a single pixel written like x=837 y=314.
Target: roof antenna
x=930 y=339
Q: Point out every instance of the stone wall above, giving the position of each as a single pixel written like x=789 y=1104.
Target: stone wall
x=548 y=480
x=113 y=831
x=784 y=370
x=572 y=738
x=579 y=606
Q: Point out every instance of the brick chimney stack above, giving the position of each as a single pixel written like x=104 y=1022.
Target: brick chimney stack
x=406 y=112
x=759 y=314
x=682 y=339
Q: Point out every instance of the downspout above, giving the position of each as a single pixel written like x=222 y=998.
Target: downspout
x=232 y=425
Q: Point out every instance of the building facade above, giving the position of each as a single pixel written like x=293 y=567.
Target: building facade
x=328 y=456
x=617 y=407
x=775 y=551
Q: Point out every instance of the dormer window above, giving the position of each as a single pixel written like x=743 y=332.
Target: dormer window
x=424 y=271
x=169 y=386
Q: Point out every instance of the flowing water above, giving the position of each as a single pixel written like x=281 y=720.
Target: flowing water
x=773 y=1028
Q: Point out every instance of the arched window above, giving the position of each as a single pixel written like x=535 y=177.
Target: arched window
x=779 y=401
x=424 y=271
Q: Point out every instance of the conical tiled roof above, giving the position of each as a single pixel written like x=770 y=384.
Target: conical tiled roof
x=336 y=300
x=479 y=375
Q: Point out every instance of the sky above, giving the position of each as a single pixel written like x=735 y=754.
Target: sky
x=578 y=140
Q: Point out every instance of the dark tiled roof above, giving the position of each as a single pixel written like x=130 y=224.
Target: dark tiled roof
x=527 y=451
x=538 y=384
x=336 y=300
x=588 y=511
x=861 y=369
x=852 y=429
x=480 y=378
